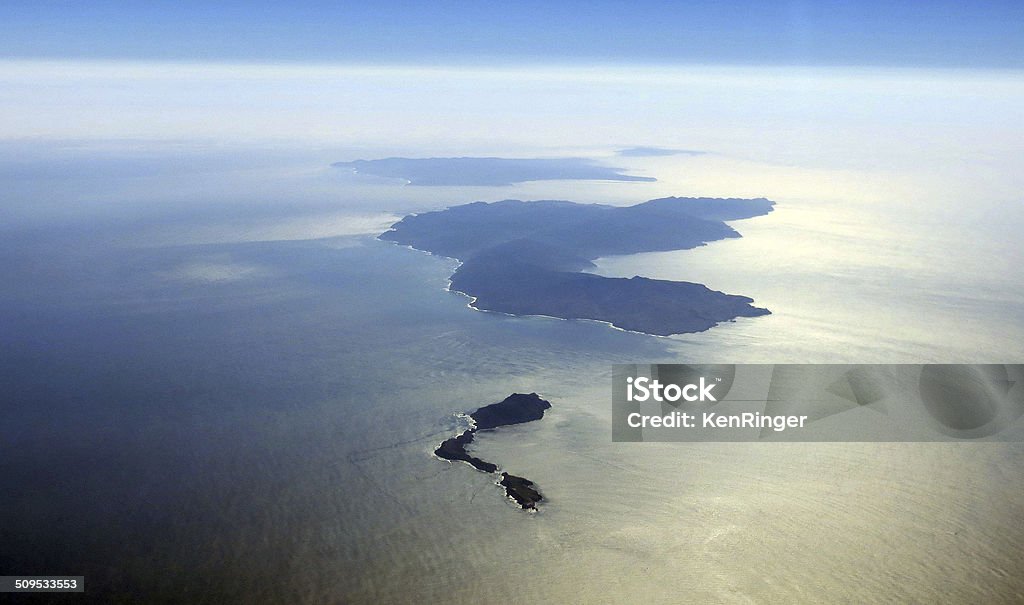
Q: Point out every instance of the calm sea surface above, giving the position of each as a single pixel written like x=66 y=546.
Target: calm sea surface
x=237 y=401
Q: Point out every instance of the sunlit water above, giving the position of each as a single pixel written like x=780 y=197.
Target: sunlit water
x=850 y=282
x=202 y=404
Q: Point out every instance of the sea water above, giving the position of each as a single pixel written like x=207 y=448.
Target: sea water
x=237 y=402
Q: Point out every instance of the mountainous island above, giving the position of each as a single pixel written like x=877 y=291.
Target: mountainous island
x=517 y=408
x=529 y=258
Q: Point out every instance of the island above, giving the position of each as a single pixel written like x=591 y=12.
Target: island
x=521 y=490
x=656 y=152
x=530 y=258
x=517 y=408
x=487 y=171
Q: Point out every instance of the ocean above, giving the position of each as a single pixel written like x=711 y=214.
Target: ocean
x=218 y=386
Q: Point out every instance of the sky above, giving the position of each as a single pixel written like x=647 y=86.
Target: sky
x=935 y=33
x=118 y=93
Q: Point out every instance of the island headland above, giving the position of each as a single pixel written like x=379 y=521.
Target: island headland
x=517 y=408
x=529 y=258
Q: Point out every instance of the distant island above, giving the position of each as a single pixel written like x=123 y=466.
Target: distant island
x=470 y=171
x=656 y=152
x=517 y=408
x=528 y=258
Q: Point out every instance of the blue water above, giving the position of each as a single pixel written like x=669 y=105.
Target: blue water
x=216 y=386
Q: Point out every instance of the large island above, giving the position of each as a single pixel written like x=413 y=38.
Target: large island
x=529 y=258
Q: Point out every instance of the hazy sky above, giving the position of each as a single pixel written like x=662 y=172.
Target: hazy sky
x=934 y=33
x=863 y=99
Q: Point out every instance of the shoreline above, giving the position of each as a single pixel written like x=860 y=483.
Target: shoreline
x=517 y=408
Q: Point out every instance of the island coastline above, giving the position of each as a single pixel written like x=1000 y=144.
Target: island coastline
x=530 y=259
x=517 y=408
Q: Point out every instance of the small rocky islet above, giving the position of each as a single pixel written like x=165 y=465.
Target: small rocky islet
x=517 y=408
